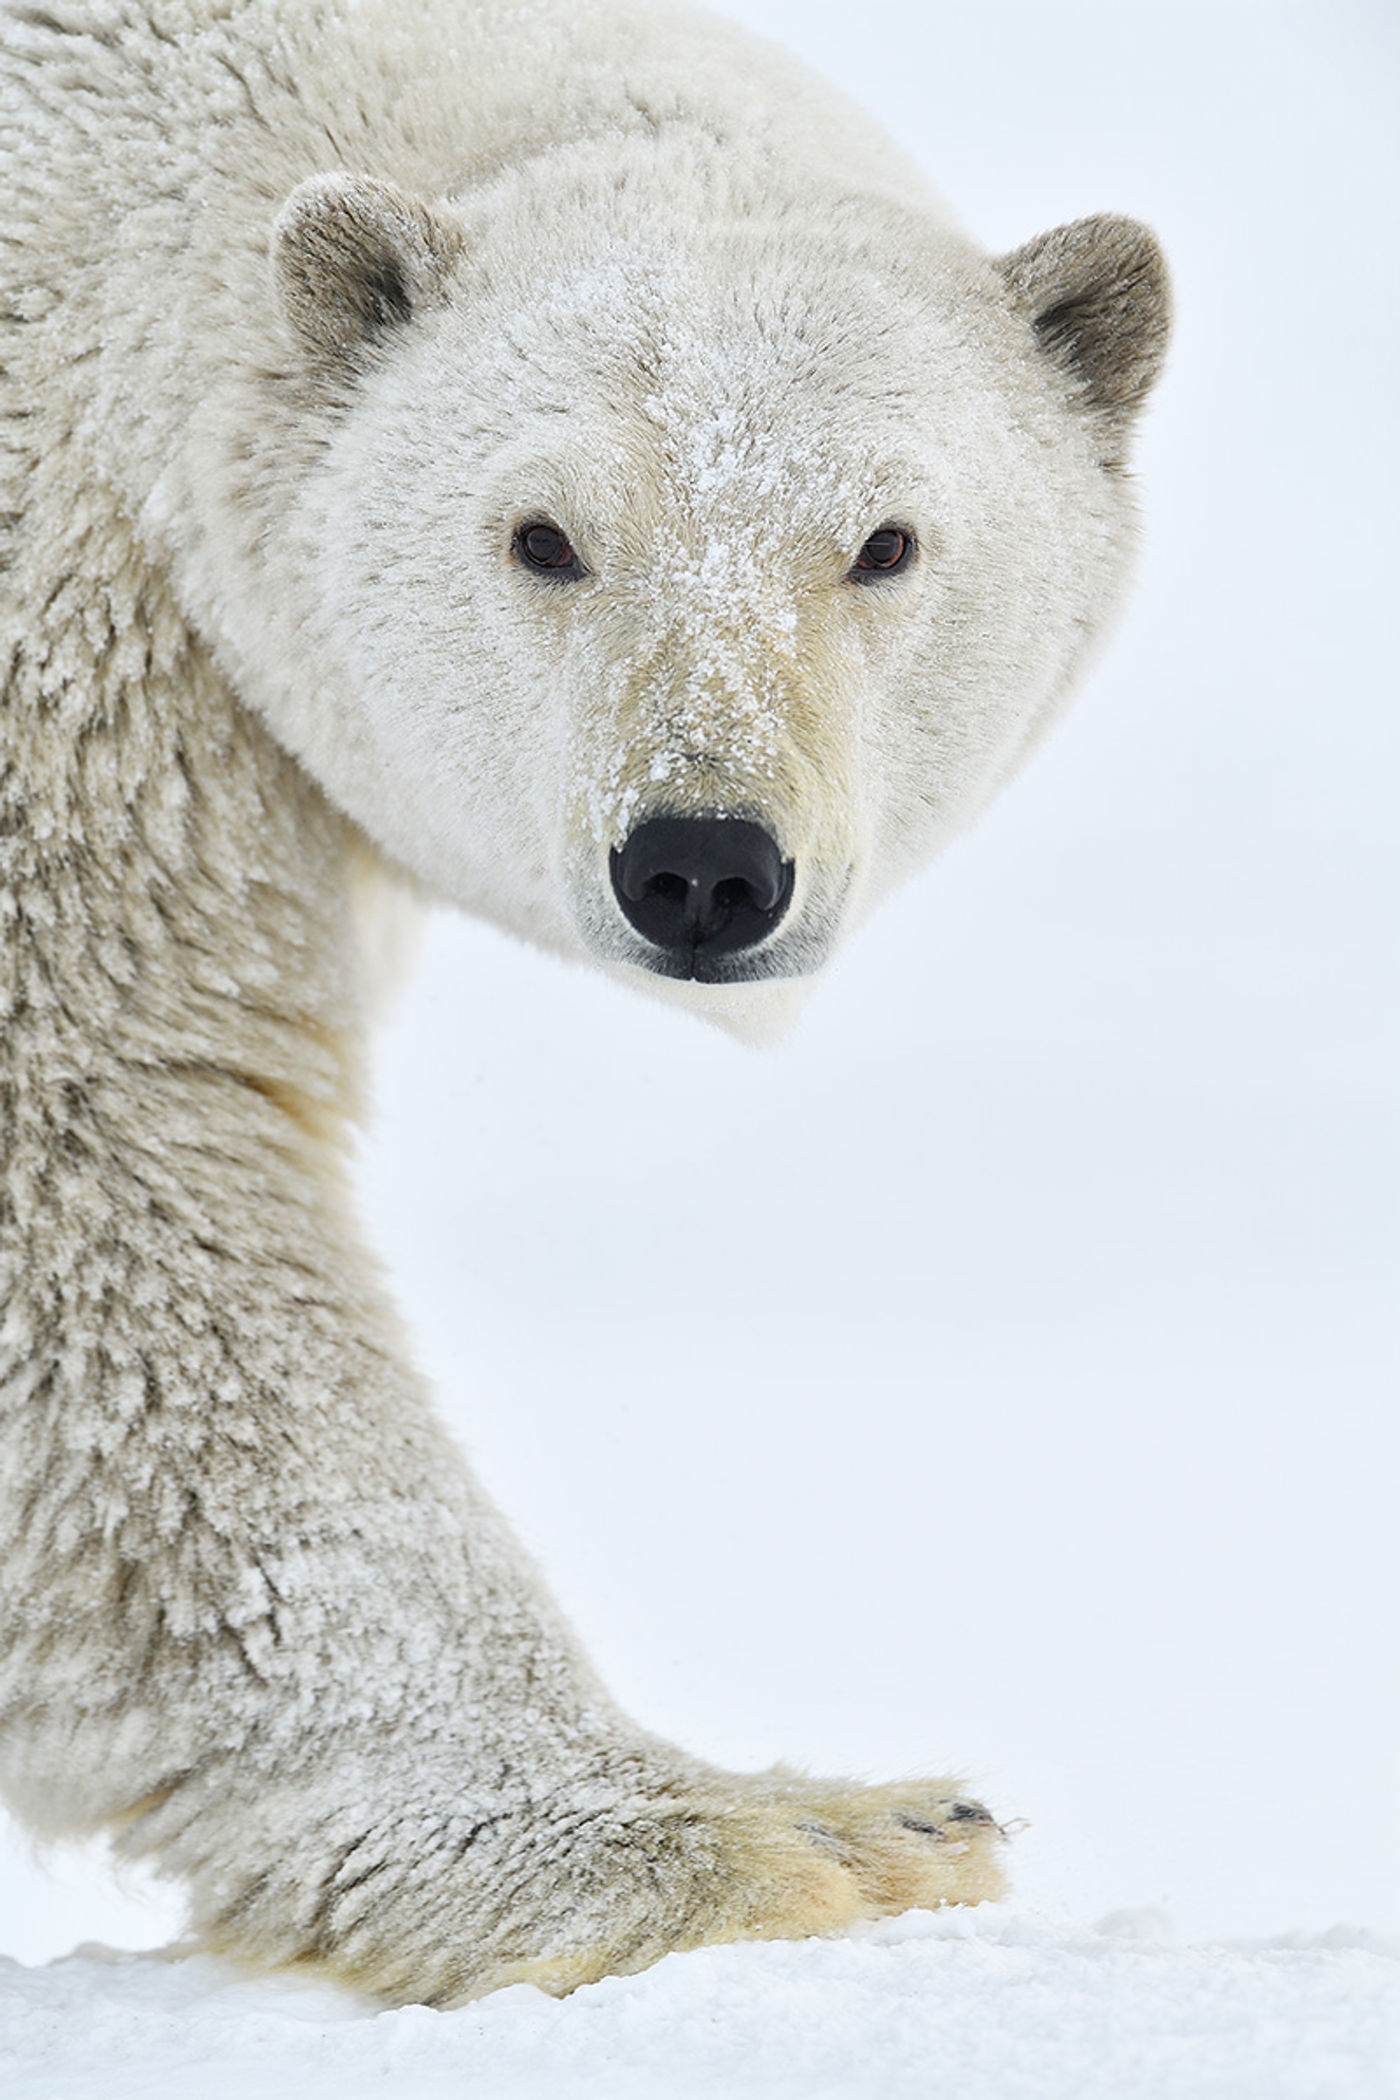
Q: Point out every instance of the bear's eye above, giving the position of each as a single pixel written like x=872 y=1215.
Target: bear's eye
x=543 y=548
x=884 y=554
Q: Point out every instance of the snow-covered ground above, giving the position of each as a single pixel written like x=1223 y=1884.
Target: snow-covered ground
x=1049 y=1437
x=970 y=2005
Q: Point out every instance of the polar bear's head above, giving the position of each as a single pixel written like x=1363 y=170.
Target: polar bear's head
x=681 y=568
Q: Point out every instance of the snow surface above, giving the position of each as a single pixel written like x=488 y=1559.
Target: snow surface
x=958 y=2005
x=1052 y=1442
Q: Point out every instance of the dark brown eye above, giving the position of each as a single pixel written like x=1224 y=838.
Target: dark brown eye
x=545 y=549
x=884 y=553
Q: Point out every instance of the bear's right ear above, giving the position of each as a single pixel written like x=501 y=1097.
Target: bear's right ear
x=1098 y=300
x=354 y=258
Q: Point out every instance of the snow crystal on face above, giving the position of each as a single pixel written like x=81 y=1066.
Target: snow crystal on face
x=983 y=2004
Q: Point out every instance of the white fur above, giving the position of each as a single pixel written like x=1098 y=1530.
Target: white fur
x=260 y=621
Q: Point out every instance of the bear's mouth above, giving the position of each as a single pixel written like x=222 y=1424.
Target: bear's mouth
x=703 y=966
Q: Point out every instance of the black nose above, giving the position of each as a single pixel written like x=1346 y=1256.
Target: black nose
x=692 y=883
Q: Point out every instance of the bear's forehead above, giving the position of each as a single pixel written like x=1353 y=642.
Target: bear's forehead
x=736 y=382
x=712 y=327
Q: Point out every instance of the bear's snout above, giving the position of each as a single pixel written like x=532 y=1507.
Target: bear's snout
x=697 y=887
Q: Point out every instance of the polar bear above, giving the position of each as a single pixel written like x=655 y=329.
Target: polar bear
x=560 y=455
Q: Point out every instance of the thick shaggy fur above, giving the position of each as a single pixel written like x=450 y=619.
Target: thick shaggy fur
x=302 y=304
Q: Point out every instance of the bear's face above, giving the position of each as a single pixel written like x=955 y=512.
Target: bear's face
x=683 y=578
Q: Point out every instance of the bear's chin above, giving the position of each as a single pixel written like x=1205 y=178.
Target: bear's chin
x=758 y=1013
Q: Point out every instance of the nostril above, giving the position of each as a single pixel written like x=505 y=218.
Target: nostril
x=687 y=883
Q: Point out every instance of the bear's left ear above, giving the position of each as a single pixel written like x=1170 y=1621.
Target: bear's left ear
x=353 y=259
x=1098 y=297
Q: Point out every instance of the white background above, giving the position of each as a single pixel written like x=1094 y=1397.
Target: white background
x=997 y=1374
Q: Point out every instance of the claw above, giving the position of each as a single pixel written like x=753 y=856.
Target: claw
x=932 y=1830
x=958 y=1812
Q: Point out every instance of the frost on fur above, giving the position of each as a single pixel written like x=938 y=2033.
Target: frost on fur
x=560 y=461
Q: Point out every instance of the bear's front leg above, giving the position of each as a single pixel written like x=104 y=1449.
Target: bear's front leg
x=257 y=1617
x=584 y=1859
